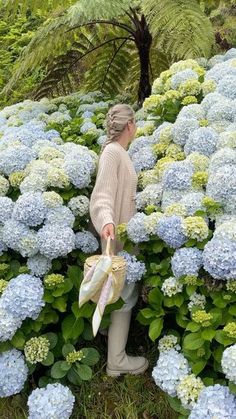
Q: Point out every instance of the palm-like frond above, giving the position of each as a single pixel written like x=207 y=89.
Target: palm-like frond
x=111 y=65
x=12 y=7
x=181 y=27
x=56 y=36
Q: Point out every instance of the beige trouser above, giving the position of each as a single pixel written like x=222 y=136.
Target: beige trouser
x=129 y=293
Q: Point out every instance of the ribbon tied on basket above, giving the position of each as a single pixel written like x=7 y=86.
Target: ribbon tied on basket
x=104 y=277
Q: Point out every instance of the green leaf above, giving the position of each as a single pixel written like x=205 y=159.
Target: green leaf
x=181 y=320
x=18 y=340
x=155 y=329
x=155 y=298
x=74 y=377
x=221 y=337
x=208 y=334
x=232 y=310
x=75 y=274
x=49 y=360
x=84 y=371
x=178 y=300
x=220 y=302
x=193 y=327
x=198 y=366
x=48 y=297
x=44 y=381
x=65 y=366
x=72 y=327
x=57 y=371
x=60 y=304
x=193 y=341
x=67 y=348
x=85 y=311
x=91 y=356
x=232 y=387
x=148 y=313
x=63 y=288
x=52 y=337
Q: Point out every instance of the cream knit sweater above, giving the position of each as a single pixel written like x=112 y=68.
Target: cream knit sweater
x=113 y=197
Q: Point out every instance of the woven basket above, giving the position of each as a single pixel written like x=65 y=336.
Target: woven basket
x=118 y=270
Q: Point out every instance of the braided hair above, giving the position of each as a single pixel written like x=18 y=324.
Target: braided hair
x=117 y=118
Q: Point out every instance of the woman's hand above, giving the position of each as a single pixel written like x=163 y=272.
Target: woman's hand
x=108 y=230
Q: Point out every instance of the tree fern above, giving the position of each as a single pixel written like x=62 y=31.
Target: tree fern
x=181 y=26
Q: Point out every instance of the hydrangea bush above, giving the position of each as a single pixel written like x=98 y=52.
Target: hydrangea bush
x=46 y=177
x=185 y=228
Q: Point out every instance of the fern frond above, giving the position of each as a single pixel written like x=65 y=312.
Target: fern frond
x=56 y=36
x=112 y=64
x=182 y=29
x=12 y=7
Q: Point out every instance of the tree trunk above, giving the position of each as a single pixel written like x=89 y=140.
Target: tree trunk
x=143 y=40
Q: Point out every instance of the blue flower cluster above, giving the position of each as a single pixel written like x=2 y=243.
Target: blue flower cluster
x=13 y=372
x=53 y=401
x=134 y=268
x=182 y=129
x=30 y=209
x=151 y=195
x=186 y=261
x=55 y=240
x=219 y=257
x=39 y=265
x=178 y=175
x=85 y=241
x=202 y=140
x=136 y=228
x=170 y=230
x=171 y=367
x=145 y=160
x=214 y=402
x=23 y=297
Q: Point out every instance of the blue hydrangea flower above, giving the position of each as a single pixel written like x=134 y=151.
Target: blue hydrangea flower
x=8 y=325
x=79 y=205
x=39 y=265
x=60 y=215
x=172 y=196
x=85 y=241
x=138 y=144
x=87 y=126
x=222 y=157
x=6 y=205
x=13 y=372
x=170 y=230
x=53 y=401
x=195 y=111
x=23 y=297
x=170 y=368
x=192 y=202
x=227 y=86
x=182 y=76
x=14 y=159
x=145 y=160
x=28 y=245
x=222 y=183
x=186 y=261
x=214 y=402
x=78 y=172
x=203 y=140
x=151 y=195
x=210 y=99
x=219 y=258
x=228 y=363
x=12 y=233
x=182 y=129
x=55 y=240
x=30 y=209
x=178 y=175
x=222 y=110
x=134 y=268
x=136 y=228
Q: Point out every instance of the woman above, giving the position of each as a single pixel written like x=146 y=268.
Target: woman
x=112 y=203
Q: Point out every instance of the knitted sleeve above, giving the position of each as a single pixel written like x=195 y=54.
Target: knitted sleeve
x=102 y=202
